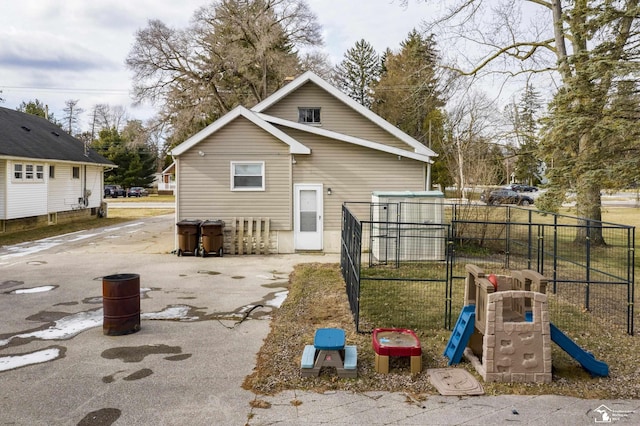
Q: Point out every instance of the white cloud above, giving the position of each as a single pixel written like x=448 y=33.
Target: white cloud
x=39 y=50
x=56 y=50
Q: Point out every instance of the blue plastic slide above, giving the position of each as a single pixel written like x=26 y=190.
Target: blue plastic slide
x=586 y=359
x=461 y=334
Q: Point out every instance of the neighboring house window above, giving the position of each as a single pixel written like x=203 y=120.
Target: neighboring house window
x=309 y=115
x=247 y=176
x=28 y=172
x=52 y=172
x=76 y=173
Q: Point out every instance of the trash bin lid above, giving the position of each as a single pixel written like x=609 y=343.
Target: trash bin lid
x=216 y=222
x=189 y=222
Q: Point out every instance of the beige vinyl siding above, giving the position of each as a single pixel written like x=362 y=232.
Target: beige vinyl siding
x=352 y=172
x=334 y=115
x=204 y=182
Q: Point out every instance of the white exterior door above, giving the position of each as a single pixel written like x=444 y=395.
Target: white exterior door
x=308 y=210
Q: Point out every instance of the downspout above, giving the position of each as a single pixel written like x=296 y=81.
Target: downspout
x=428 y=182
x=85 y=198
x=176 y=196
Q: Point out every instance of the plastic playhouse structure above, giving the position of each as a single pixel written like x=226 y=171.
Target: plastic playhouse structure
x=505 y=332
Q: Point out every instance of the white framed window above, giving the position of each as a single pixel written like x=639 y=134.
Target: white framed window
x=17 y=171
x=309 y=115
x=75 y=172
x=28 y=172
x=52 y=172
x=247 y=176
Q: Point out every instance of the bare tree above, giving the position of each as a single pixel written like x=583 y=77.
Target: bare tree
x=236 y=52
x=589 y=46
x=159 y=143
x=71 y=117
x=317 y=62
x=104 y=116
x=470 y=156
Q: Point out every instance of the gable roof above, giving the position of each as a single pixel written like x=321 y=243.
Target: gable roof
x=295 y=147
x=345 y=138
x=29 y=136
x=309 y=76
x=171 y=168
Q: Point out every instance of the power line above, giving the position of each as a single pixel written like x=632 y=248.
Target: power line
x=66 y=89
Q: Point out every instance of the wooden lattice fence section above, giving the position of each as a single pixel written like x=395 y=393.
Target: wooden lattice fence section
x=247 y=235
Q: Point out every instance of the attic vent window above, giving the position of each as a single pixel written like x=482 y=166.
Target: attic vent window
x=26 y=128
x=55 y=133
x=309 y=115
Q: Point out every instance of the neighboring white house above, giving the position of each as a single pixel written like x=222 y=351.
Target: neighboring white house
x=167 y=180
x=293 y=160
x=46 y=175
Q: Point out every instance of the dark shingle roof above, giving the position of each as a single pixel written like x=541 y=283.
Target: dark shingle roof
x=30 y=136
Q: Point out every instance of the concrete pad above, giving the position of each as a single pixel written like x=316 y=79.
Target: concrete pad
x=454 y=381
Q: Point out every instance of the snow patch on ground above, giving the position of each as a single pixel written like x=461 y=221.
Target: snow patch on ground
x=75 y=324
x=16 y=361
x=279 y=299
x=171 y=313
x=40 y=289
x=64 y=328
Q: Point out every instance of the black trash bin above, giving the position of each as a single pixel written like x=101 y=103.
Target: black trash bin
x=212 y=237
x=188 y=237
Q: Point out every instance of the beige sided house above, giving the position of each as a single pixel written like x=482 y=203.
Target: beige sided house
x=292 y=160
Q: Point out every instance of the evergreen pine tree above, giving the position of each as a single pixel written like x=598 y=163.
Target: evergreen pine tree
x=358 y=72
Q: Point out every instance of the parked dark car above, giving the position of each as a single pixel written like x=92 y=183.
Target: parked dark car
x=505 y=196
x=137 y=191
x=523 y=188
x=114 y=191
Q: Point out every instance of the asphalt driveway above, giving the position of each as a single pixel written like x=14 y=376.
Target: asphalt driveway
x=203 y=321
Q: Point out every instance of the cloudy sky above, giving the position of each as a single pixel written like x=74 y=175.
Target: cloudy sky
x=55 y=50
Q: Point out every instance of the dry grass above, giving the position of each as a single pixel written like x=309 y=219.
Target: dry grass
x=151 y=198
x=116 y=216
x=317 y=298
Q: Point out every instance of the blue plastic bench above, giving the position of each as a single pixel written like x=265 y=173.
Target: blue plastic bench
x=308 y=357
x=350 y=357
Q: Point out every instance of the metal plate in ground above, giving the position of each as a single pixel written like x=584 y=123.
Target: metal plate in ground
x=454 y=381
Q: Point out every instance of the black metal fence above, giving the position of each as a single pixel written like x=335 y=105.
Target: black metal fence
x=381 y=288
x=404 y=265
